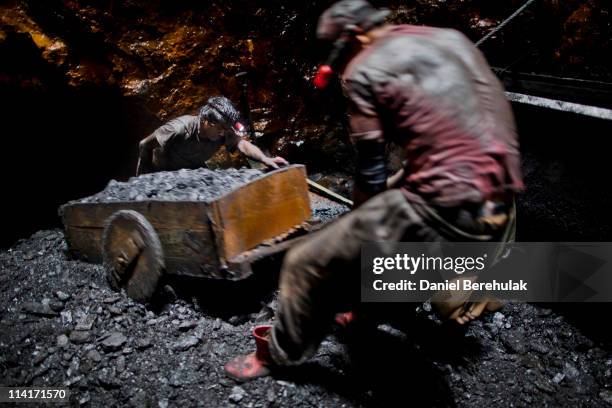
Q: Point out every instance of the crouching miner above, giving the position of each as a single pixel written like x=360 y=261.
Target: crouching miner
x=431 y=92
x=189 y=141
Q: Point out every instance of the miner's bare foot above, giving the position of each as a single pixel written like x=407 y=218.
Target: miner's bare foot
x=456 y=305
x=450 y=304
x=472 y=310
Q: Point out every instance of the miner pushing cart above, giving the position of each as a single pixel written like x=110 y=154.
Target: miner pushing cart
x=198 y=223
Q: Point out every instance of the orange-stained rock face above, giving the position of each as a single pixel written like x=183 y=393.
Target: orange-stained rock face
x=173 y=56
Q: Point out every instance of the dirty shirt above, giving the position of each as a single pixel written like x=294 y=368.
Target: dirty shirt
x=185 y=143
x=430 y=91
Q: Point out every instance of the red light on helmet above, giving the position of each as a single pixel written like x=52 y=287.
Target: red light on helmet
x=239 y=127
x=323 y=76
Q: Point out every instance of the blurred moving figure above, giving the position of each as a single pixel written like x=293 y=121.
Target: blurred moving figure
x=431 y=92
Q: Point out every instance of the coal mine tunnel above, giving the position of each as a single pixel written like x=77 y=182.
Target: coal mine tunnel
x=86 y=129
x=137 y=291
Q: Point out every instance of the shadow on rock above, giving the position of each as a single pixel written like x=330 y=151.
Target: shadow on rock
x=385 y=366
x=237 y=302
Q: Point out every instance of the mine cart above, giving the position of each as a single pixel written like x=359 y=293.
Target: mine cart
x=220 y=237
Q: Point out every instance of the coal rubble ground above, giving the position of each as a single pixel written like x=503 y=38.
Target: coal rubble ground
x=61 y=325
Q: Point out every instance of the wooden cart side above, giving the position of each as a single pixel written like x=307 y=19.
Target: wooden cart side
x=161 y=214
x=182 y=228
x=198 y=238
x=261 y=211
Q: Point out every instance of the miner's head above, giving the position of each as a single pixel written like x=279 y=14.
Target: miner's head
x=219 y=114
x=354 y=17
x=351 y=25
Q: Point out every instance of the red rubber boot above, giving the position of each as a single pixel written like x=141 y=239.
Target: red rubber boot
x=254 y=365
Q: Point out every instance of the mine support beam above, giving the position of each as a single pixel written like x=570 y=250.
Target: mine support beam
x=571 y=107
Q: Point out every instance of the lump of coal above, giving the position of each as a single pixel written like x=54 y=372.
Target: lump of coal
x=38 y=309
x=182 y=185
x=79 y=336
x=62 y=340
x=62 y=296
x=114 y=342
x=237 y=394
x=326 y=210
x=186 y=343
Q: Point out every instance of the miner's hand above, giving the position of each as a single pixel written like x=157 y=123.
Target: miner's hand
x=275 y=162
x=280 y=161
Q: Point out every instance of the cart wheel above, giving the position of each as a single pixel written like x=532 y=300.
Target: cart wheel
x=132 y=254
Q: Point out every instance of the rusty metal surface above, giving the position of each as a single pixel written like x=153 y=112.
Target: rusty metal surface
x=243 y=264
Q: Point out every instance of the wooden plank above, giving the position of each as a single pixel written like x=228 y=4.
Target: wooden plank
x=86 y=244
x=262 y=210
x=570 y=107
x=215 y=223
x=316 y=187
x=161 y=214
x=182 y=228
x=192 y=267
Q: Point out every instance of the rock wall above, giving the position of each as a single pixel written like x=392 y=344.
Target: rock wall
x=86 y=79
x=169 y=57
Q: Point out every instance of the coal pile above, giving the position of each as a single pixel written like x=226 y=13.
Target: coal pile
x=326 y=210
x=61 y=325
x=181 y=185
x=197 y=185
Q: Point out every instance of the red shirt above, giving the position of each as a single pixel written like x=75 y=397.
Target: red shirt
x=431 y=91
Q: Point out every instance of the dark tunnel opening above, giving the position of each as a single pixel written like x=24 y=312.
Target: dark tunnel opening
x=59 y=142
x=57 y=147
x=565 y=166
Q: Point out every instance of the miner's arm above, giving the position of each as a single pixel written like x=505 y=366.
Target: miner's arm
x=253 y=152
x=368 y=139
x=145 y=155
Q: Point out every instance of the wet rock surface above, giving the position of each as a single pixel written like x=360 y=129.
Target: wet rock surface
x=173 y=355
x=181 y=185
x=146 y=49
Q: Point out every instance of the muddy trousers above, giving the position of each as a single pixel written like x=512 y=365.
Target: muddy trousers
x=320 y=276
